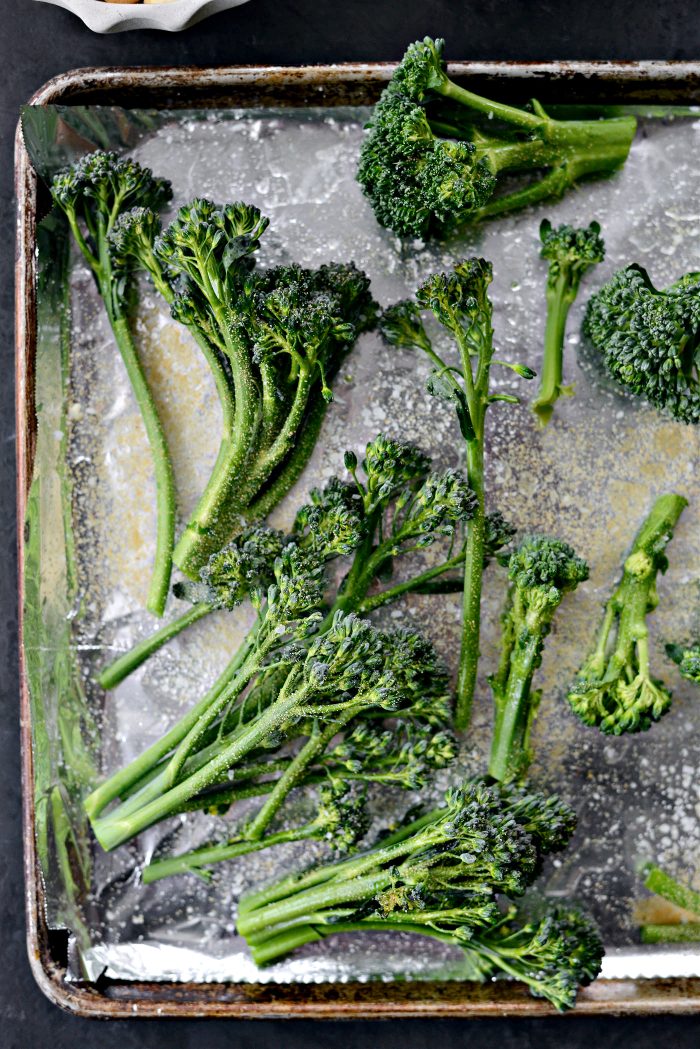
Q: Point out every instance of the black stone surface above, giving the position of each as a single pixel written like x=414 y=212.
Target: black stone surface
x=36 y=42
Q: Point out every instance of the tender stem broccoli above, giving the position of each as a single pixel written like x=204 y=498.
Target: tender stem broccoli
x=346 y=671
x=437 y=156
x=273 y=693
x=541 y=571
x=649 y=339
x=273 y=339
x=570 y=253
x=441 y=876
x=401 y=507
x=460 y=302
x=93 y=193
x=687 y=659
x=615 y=691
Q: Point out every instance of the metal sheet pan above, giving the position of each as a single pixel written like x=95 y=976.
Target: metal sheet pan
x=326 y=86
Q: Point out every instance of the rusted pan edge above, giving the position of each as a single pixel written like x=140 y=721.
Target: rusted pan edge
x=246 y=86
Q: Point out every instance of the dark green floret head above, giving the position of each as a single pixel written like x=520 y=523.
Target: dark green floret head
x=332 y=523
x=421 y=70
x=441 y=503
x=242 y=567
x=419 y=185
x=498 y=533
x=649 y=339
x=133 y=230
x=110 y=181
x=400 y=325
x=568 y=246
x=687 y=658
x=545 y=816
x=543 y=563
x=342 y=816
x=459 y=296
x=390 y=465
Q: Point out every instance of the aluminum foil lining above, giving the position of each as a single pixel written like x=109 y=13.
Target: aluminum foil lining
x=589 y=477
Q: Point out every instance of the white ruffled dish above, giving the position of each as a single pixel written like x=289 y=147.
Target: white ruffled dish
x=102 y=17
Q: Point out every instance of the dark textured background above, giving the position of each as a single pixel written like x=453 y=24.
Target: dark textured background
x=36 y=42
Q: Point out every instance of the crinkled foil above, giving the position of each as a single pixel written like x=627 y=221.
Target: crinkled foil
x=589 y=477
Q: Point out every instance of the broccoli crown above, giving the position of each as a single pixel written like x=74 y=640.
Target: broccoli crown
x=296 y=595
x=404 y=754
x=687 y=658
x=418 y=184
x=546 y=567
x=242 y=567
x=421 y=70
x=306 y=315
x=100 y=183
x=649 y=338
x=133 y=231
x=442 y=501
x=570 y=251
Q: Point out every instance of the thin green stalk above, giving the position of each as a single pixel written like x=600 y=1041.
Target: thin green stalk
x=414 y=585
x=218 y=510
x=684 y=932
x=294 y=773
x=165 y=487
x=514 y=710
x=115 y=673
x=658 y=881
x=192 y=862
x=112 y=831
x=471 y=599
x=122 y=780
x=552 y=374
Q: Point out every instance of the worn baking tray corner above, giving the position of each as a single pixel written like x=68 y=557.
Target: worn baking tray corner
x=354 y=84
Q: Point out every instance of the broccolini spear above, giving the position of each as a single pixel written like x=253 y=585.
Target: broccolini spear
x=346 y=671
x=648 y=339
x=406 y=508
x=274 y=340
x=460 y=302
x=615 y=690
x=93 y=193
x=541 y=571
x=570 y=253
x=401 y=506
x=441 y=877
x=435 y=154
x=687 y=659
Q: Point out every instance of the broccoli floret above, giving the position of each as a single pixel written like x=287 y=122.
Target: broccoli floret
x=94 y=193
x=615 y=690
x=440 y=876
x=570 y=253
x=460 y=302
x=648 y=339
x=541 y=571
x=436 y=154
x=687 y=659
